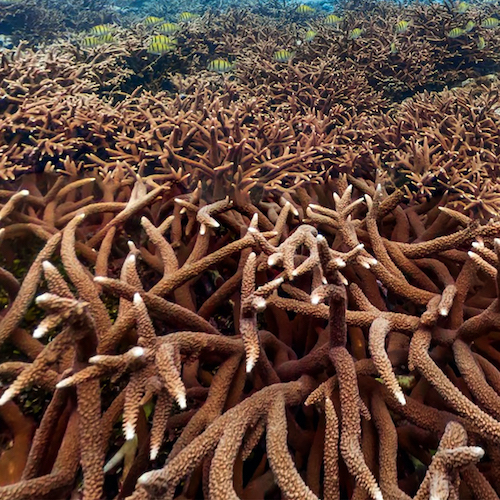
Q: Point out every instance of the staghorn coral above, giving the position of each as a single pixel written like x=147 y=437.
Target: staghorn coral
x=255 y=289
x=261 y=126
x=242 y=412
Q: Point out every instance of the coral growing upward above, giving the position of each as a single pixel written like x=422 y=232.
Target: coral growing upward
x=255 y=334
x=283 y=283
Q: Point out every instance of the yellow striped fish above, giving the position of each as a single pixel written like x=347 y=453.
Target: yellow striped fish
x=401 y=27
x=491 y=22
x=186 y=16
x=455 y=33
x=163 y=39
x=109 y=38
x=90 y=42
x=283 y=55
x=462 y=7
x=304 y=9
x=469 y=26
x=481 y=43
x=310 y=35
x=220 y=66
x=101 y=29
x=152 y=20
x=168 y=28
x=355 y=34
x=159 y=49
x=333 y=20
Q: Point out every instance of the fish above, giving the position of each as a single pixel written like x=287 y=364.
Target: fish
x=355 y=34
x=168 y=28
x=304 y=9
x=283 y=55
x=455 y=33
x=309 y=36
x=402 y=26
x=90 y=42
x=152 y=20
x=101 y=29
x=186 y=16
x=481 y=43
x=163 y=39
x=333 y=20
x=490 y=22
x=160 y=48
x=220 y=66
x=462 y=7
x=393 y=49
x=108 y=38
x=469 y=26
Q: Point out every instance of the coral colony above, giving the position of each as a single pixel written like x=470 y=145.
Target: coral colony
x=250 y=254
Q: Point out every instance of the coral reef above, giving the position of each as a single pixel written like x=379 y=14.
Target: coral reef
x=222 y=327
x=277 y=282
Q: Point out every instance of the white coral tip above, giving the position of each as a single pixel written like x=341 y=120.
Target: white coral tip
x=136 y=351
x=273 y=259
x=24 y=192
x=320 y=238
x=478 y=451
x=131 y=259
x=129 y=431
x=250 y=364
x=444 y=311
x=65 y=382
x=315 y=299
x=39 y=332
x=339 y=262
x=7 y=396
x=100 y=279
x=96 y=359
x=42 y=298
x=181 y=400
x=260 y=304
x=47 y=266
x=377 y=495
x=153 y=453
x=146 y=477
x=137 y=299
x=80 y=217
x=477 y=244
x=203 y=229
x=401 y=398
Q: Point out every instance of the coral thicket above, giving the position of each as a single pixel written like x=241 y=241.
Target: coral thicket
x=277 y=282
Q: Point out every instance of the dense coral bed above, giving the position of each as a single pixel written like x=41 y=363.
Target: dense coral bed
x=280 y=284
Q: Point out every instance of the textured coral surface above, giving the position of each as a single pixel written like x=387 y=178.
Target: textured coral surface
x=280 y=282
